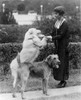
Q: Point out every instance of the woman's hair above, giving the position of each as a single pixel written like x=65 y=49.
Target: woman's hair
x=60 y=10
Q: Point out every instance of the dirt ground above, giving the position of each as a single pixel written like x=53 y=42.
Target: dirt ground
x=35 y=84
x=74 y=96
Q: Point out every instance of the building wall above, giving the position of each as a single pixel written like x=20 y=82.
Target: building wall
x=26 y=19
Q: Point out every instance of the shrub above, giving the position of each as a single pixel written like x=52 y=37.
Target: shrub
x=21 y=7
x=11 y=35
x=15 y=33
x=7 y=17
x=8 y=51
x=74 y=29
x=47 y=26
x=75 y=55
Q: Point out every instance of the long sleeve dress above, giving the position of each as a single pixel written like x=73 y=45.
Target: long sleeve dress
x=61 y=40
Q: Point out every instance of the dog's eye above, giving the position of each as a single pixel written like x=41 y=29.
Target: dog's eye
x=54 y=58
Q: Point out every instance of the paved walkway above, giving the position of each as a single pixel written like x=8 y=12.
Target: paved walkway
x=37 y=95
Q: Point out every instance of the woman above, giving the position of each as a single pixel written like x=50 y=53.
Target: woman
x=60 y=37
x=33 y=42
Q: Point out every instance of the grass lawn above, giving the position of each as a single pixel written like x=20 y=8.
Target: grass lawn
x=35 y=84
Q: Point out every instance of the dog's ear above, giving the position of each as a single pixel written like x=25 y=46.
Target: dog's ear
x=49 y=59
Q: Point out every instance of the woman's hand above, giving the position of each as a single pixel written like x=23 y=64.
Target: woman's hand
x=49 y=38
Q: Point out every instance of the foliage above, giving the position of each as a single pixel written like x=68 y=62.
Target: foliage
x=48 y=5
x=8 y=51
x=49 y=49
x=11 y=35
x=15 y=33
x=7 y=17
x=21 y=7
x=75 y=55
x=46 y=25
x=74 y=28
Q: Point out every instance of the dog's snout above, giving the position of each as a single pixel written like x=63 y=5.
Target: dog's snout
x=59 y=62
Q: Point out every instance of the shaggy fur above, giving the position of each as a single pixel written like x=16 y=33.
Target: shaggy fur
x=42 y=69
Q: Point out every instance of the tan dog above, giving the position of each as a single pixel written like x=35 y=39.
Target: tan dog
x=37 y=69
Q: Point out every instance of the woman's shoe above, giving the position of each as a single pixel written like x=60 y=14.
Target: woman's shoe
x=61 y=84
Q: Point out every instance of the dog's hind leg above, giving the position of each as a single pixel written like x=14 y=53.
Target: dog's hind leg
x=24 y=83
x=14 y=84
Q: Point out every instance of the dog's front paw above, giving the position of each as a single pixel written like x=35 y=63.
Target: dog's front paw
x=23 y=98
x=13 y=95
x=46 y=93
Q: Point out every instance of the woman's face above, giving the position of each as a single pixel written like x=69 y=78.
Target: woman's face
x=56 y=16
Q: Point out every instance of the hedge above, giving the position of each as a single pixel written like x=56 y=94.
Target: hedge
x=8 y=52
x=15 y=33
x=75 y=55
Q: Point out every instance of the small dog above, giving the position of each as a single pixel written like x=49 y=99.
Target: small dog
x=21 y=71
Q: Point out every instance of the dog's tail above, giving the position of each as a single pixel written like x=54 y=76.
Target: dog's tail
x=18 y=60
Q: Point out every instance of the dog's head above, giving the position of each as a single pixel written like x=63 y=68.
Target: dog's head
x=53 y=60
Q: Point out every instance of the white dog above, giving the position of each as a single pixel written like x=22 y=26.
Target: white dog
x=32 y=44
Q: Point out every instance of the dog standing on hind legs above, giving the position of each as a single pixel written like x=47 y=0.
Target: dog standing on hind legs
x=42 y=69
